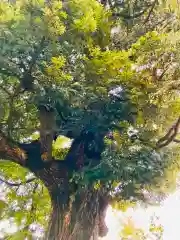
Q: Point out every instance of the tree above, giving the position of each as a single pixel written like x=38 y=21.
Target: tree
x=61 y=76
x=130 y=231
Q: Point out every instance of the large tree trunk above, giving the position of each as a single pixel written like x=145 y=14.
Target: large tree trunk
x=82 y=220
x=78 y=222
x=75 y=216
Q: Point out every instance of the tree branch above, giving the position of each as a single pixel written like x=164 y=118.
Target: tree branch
x=129 y=16
x=171 y=86
x=11 y=103
x=9 y=150
x=170 y=135
x=164 y=72
x=6 y=91
x=151 y=11
x=17 y=184
x=110 y=4
x=8 y=73
x=36 y=54
x=27 y=79
x=26 y=82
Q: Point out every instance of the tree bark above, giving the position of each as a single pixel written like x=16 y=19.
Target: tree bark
x=82 y=220
x=75 y=215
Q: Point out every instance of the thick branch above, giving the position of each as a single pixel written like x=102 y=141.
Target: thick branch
x=9 y=150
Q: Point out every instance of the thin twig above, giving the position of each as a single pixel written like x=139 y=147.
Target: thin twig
x=8 y=73
x=36 y=54
x=5 y=90
x=129 y=16
x=17 y=184
x=164 y=72
x=151 y=11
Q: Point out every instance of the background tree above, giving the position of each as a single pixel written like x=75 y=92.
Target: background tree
x=63 y=77
x=131 y=231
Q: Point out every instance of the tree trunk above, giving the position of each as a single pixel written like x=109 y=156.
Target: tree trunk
x=75 y=216
x=80 y=221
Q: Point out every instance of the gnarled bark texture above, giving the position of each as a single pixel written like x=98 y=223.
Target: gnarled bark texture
x=75 y=216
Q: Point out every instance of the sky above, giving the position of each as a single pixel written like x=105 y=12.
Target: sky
x=168 y=215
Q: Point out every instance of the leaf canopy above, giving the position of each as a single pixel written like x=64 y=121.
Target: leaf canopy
x=68 y=52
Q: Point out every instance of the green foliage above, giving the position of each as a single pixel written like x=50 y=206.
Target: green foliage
x=75 y=60
x=131 y=231
x=61 y=147
x=25 y=204
x=14 y=171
